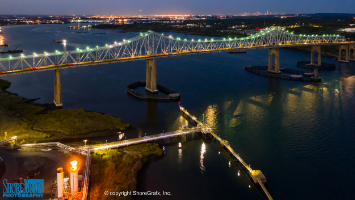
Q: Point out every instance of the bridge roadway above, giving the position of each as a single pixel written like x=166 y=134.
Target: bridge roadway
x=256 y=175
x=145 y=57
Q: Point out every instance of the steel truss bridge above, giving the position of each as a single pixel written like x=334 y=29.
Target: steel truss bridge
x=152 y=45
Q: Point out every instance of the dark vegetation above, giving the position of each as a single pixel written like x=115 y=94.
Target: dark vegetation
x=116 y=169
x=18 y=117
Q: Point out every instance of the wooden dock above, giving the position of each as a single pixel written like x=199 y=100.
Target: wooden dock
x=257 y=176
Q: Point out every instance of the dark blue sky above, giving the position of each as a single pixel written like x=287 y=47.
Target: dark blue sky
x=117 y=7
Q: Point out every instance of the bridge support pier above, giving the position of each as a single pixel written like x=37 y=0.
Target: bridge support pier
x=352 y=55
x=277 y=61
x=346 y=48
x=151 y=77
x=318 y=49
x=57 y=89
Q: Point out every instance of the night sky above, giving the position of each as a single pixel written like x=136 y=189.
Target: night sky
x=148 y=7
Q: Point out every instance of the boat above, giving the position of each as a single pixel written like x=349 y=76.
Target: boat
x=12 y=51
x=57 y=41
x=232 y=52
x=4 y=45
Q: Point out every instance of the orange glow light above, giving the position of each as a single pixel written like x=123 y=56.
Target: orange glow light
x=74 y=165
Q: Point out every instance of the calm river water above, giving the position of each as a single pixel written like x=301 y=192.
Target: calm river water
x=300 y=135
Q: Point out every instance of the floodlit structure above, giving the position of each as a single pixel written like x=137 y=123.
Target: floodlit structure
x=74 y=182
x=60 y=182
x=149 y=46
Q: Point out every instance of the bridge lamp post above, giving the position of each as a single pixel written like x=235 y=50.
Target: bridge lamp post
x=85 y=142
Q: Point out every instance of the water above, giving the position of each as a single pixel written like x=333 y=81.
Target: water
x=300 y=135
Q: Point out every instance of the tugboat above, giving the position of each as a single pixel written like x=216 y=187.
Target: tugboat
x=233 y=52
x=57 y=41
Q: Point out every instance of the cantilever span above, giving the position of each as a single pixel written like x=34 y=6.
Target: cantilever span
x=152 y=45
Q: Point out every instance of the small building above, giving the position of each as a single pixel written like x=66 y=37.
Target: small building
x=257 y=174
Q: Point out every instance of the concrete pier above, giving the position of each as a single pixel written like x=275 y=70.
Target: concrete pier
x=276 y=68
x=352 y=54
x=318 y=49
x=151 y=77
x=346 y=48
x=57 y=89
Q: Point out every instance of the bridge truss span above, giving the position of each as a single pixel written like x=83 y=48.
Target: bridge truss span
x=153 y=45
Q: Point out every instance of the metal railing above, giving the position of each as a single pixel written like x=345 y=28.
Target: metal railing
x=151 y=45
x=8 y=140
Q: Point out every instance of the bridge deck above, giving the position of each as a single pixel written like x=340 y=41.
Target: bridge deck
x=142 y=57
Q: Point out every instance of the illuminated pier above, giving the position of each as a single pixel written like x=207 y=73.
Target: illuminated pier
x=256 y=175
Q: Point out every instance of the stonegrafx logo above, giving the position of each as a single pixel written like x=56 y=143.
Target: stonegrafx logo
x=30 y=188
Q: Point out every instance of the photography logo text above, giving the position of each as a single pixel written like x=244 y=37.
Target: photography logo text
x=30 y=188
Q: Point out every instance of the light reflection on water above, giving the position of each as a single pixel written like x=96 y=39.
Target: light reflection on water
x=180 y=156
x=203 y=151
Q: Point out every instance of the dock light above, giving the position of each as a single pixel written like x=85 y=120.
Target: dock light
x=192 y=40
x=97 y=47
x=120 y=43
x=212 y=39
x=78 y=49
x=85 y=142
x=87 y=48
x=10 y=57
x=115 y=42
x=185 y=39
x=178 y=38
x=22 y=55
x=179 y=144
x=199 y=40
x=110 y=46
x=106 y=45
x=224 y=38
